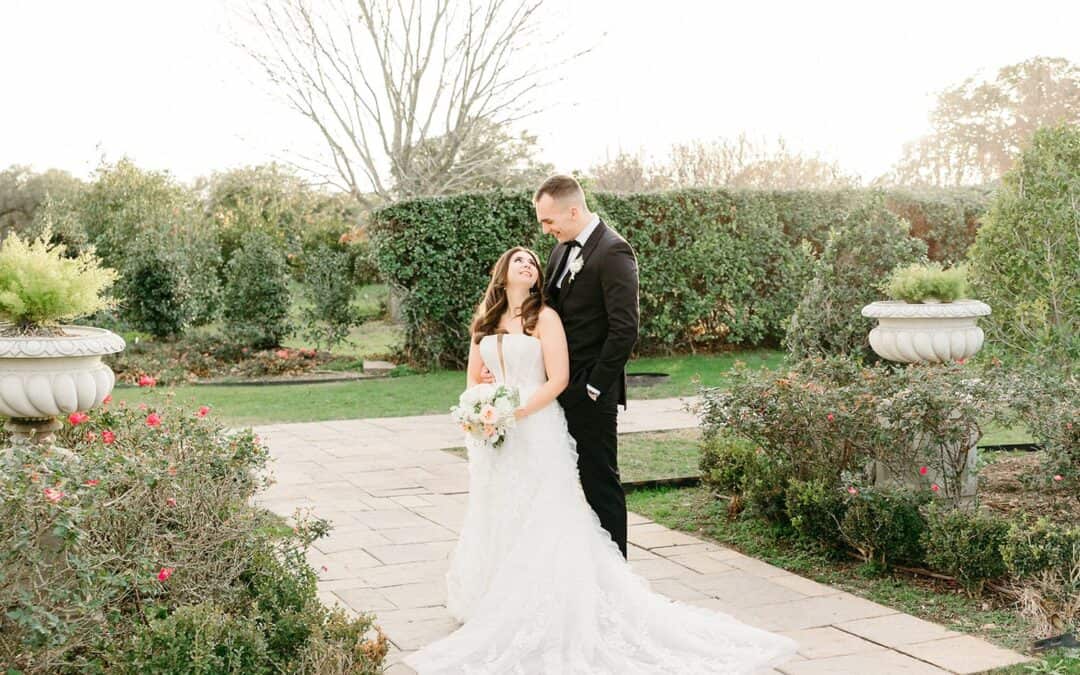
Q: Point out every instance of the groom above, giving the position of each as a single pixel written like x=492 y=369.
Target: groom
x=592 y=282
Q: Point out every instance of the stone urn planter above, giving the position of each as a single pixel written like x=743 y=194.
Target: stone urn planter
x=926 y=332
x=42 y=377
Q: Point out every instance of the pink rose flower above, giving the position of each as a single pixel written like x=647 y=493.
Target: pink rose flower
x=171 y=501
x=852 y=490
x=147 y=381
x=935 y=487
x=92 y=482
x=153 y=420
x=282 y=353
x=90 y=436
x=53 y=495
x=77 y=418
x=1058 y=477
x=489 y=414
x=165 y=573
x=831 y=417
x=203 y=411
x=489 y=430
x=923 y=470
x=107 y=400
x=108 y=437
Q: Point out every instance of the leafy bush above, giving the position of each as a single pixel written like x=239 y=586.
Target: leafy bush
x=716 y=267
x=329 y=290
x=200 y=639
x=39 y=286
x=157 y=293
x=1045 y=560
x=816 y=509
x=147 y=553
x=256 y=298
x=724 y=463
x=884 y=525
x=1030 y=550
x=765 y=488
x=1023 y=262
x=1047 y=404
x=861 y=251
x=926 y=283
x=817 y=418
x=966 y=545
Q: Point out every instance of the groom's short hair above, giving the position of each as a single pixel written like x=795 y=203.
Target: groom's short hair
x=560 y=187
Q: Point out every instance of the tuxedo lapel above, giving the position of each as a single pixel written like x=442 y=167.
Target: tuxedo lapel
x=590 y=245
x=559 y=254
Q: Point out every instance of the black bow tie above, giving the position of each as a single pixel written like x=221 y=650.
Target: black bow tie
x=573 y=243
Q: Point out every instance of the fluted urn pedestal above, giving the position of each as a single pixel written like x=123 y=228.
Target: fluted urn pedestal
x=43 y=377
x=926 y=332
x=930 y=332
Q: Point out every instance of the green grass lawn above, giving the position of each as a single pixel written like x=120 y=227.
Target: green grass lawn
x=413 y=394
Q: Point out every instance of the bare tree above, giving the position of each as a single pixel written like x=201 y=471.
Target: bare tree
x=980 y=127
x=733 y=163
x=402 y=91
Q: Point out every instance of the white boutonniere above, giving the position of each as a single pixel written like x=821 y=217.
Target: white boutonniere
x=575 y=267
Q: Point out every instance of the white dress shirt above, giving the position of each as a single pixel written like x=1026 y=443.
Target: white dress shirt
x=575 y=253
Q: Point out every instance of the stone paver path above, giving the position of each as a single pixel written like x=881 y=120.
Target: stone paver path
x=397 y=501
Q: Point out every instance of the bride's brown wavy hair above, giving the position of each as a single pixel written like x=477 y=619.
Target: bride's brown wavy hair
x=495 y=304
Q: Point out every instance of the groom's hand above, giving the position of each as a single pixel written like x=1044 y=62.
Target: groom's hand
x=486 y=377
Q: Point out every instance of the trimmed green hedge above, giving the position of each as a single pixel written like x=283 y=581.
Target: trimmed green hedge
x=718 y=268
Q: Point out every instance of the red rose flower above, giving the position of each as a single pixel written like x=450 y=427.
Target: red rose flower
x=935 y=487
x=165 y=573
x=923 y=470
x=153 y=420
x=203 y=411
x=147 y=381
x=108 y=437
x=91 y=482
x=77 y=418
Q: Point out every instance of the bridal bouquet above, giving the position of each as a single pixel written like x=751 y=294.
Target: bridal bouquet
x=486 y=412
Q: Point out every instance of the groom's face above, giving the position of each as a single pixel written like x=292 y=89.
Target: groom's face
x=557 y=218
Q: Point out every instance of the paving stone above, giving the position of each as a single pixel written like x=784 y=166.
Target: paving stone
x=427 y=594
x=364 y=599
x=701 y=563
x=877 y=662
x=803 y=585
x=741 y=589
x=897 y=629
x=656 y=539
x=963 y=654
x=815 y=611
x=417 y=535
x=827 y=642
x=395 y=554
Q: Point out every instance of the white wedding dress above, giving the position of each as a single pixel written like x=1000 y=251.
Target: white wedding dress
x=540 y=585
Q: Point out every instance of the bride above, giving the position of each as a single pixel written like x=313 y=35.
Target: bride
x=539 y=585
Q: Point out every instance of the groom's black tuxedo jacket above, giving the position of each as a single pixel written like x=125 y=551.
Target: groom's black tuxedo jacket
x=599 y=311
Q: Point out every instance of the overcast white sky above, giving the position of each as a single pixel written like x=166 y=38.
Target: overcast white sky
x=159 y=80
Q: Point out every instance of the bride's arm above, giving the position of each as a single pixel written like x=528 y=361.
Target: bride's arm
x=549 y=330
x=476 y=365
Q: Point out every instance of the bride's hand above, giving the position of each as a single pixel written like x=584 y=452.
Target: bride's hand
x=520 y=414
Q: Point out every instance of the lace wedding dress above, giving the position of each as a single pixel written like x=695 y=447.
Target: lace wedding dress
x=540 y=585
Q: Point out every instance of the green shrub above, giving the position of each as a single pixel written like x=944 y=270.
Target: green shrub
x=1030 y=550
x=256 y=301
x=1044 y=558
x=883 y=525
x=155 y=523
x=39 y=286
x=202 y=640
x=724 y=463
x=1046 y=402
x=927 y=282
x=858 y=254
x=716 y=267
x=329 y=289
x=1023 y=262
x=816 y=418
x=816 y=509
x=157 y=293
x=967 y=546
x=765 y=488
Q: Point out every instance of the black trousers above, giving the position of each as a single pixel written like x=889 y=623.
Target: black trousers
x=593 y=426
